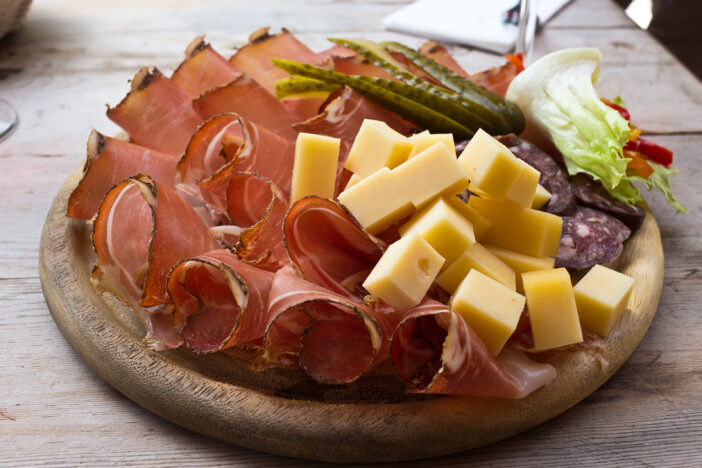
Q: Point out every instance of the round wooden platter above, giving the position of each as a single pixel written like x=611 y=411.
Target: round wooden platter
x=284 y=412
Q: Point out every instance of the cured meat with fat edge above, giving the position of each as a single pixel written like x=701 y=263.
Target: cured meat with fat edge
x=435 y=351
x=203 y=69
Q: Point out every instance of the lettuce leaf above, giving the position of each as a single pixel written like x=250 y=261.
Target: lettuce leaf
x=557 y=96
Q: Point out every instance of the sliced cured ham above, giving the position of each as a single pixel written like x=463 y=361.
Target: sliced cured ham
x=497 y=79
x=203 y=69
x=227 y=144
x=328 y=247
x=248 y=99
x=334 y=339
x=219 y=301
x=108 y=162
x=157 y=113
x=433 y=350
x=356 y=65
x=344 y=113
x=255 y=203
x=254 y=58
x=142 y=229
x=440 y=55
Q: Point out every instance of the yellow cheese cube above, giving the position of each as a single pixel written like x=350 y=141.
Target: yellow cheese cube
x=480 y=223
x=405 y=272
x=490 y=165
x=376 y=201
x=376 y=145
x=491 y=309
x=422 y=141
x=541 y=197
x=315 y=165
x=443 y=227
x=353 y=180
x=528 y=231
x=433 y=172
x=521 y=263
x=552 y=311
x=602 y=296
x=476 y=257
x=524 y=187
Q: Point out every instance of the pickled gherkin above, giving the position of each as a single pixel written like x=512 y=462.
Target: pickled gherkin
x=491 y=114
x=461 y=85
x=299 y=87
x=415 y=108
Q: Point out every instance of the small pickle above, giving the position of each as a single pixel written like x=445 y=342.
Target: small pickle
x=298 y=87
x=461 y=85
x=377 y=90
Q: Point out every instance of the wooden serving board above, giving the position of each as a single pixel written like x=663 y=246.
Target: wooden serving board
x=283 y=411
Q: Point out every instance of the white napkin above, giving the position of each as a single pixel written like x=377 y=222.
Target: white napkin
x=476 y=23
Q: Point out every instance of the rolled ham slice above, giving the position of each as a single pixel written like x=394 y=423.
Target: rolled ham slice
x=108 y=162
x=328 y=247
x=228 y=144
x=333 y=339
x=157 y=113
x=142 y=229
x=203 y=69
x=219 y=301
x=433 y=350
x=252 y=102
x=255 y=203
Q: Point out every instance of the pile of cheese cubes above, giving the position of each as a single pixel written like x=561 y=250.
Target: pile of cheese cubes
x=493 y=254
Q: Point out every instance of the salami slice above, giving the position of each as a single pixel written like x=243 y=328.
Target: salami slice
x=588 y=238
x=553 y=178
x=591 y=194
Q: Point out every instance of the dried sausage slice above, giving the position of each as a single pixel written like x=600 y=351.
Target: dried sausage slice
x=591 y=194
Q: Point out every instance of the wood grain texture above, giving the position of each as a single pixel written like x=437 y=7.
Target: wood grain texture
x=70 y=57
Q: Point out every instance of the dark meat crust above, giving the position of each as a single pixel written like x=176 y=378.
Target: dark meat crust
x=591 y=194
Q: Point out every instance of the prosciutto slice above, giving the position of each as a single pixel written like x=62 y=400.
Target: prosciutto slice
x=157 y=113
x=344 y=113
x=108 y=162
x=219 y=301
x=439 y=54
x=248 y=99
x=255 y=203
x=328 y=247
x=334 y=339
x=142 y=229
x=203 y=69
x=497 y=79
x=228 y=144
x=254 y=58
x=435 y=351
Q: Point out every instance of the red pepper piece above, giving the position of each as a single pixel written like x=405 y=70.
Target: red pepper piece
x=622 y=111
x=651 y=151
x=517 y=60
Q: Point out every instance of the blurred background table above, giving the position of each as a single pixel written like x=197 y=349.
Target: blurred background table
x=71 y=57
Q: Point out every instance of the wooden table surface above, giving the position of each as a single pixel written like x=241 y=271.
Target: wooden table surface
x=72 y=57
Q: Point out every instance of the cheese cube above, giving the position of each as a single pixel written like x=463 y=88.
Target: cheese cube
x=541 y=197
x=422 y=141
x=353 y=180
x=443 y=227
x=432 y=173
x=602 y=296
x=524 y=187
x=376 y=145
x=376 y=201
x=405 y=272
x=315 y=165
x=528 y=231
x=480 y=223
x=476 y=257
x=490 y=165
x=521 y=263
x=552 y=311
x=491 y=309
